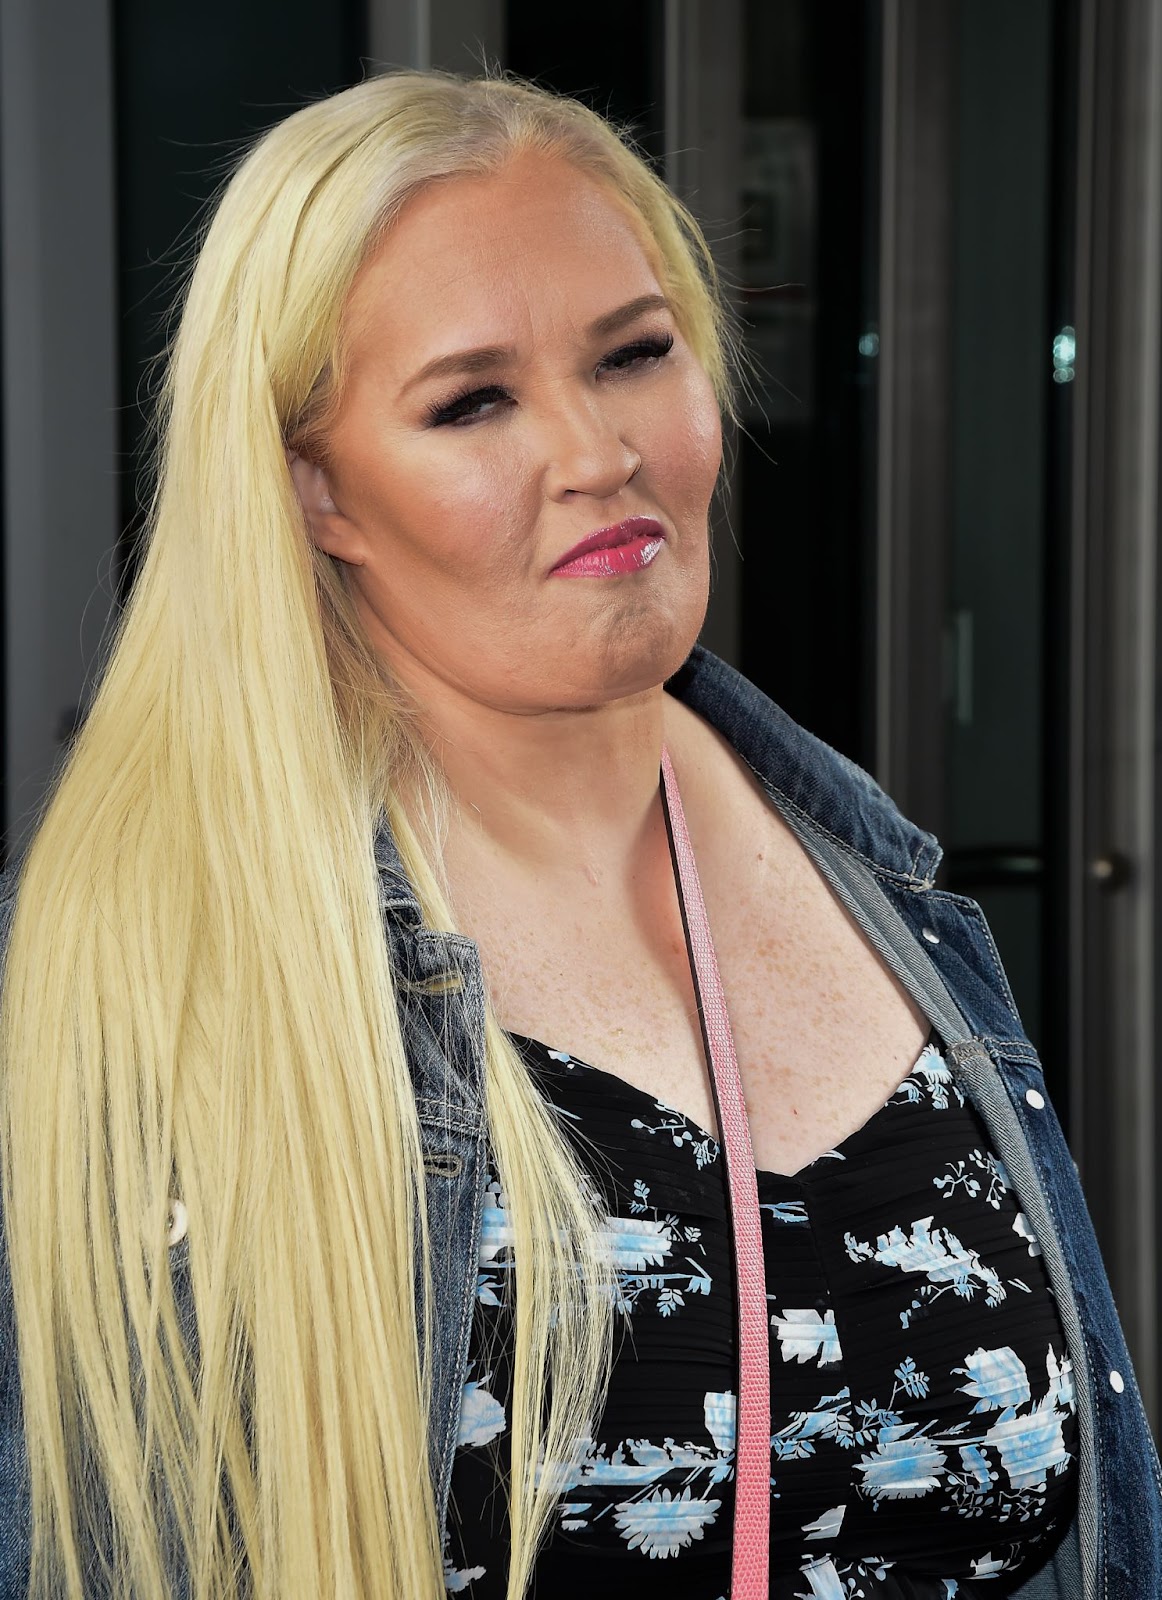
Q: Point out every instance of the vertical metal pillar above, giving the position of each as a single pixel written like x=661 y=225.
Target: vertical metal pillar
x=61 y=493
x=399 y=33
x=703 y=53
x=914 y=387
x=458 y=35
x=1115 y=876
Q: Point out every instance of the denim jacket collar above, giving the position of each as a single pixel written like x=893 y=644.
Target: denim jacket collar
x=811 y=778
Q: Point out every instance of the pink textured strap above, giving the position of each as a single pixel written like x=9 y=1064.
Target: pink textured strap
x=752 y=1477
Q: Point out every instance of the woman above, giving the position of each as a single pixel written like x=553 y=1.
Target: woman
x=354 y=1085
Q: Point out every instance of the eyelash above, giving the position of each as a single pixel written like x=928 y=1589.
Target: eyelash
x=457 y=410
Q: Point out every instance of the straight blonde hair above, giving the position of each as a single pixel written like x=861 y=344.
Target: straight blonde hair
x=199 y=1000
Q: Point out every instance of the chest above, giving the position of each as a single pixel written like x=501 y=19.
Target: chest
x=844 y=1365
x=822 y=1031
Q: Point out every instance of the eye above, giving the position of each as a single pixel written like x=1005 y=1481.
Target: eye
x=465 y=407
x=652 y=348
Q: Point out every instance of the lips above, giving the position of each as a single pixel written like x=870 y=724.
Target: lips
x=624 y=547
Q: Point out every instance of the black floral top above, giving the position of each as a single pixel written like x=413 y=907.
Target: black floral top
x=923 y=1434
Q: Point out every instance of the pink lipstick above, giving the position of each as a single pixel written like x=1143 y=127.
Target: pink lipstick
x=625 y=547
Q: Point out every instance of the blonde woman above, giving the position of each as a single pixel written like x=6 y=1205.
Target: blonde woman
x=364 y=1203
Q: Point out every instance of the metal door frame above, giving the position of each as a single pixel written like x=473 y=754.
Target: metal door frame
x=58 y=368
x=703 y=47
x=1108 y=876
x=458 y=35
x=1114 y=886
x=913 y=524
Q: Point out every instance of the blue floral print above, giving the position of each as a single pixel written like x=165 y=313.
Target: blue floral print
x=481 y=1414
x=981 y=1172
x=961 y=1440
x=938 y=1255
x=930 y=1079
x=680 y=1131
x=807 y=1335
x=657 y=1520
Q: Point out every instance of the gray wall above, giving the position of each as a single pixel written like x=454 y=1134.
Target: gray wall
x=61 y=512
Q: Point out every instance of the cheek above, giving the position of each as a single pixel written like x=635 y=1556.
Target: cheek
x=688 y=445
x=450 y=512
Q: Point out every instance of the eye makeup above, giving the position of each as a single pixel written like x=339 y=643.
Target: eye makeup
x=466 y=406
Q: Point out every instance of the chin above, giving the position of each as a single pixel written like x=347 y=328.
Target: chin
x=647 y=647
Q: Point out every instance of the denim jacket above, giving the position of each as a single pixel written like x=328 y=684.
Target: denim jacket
x=881 y=868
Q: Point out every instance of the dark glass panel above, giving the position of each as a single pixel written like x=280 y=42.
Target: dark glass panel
x=807 y=457
x=195 y=85
x=613 y=60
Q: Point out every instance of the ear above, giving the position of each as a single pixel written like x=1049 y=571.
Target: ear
x=329 y=528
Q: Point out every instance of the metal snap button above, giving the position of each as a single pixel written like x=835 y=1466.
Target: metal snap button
x=1035 y=1099
x=178 y=1223
x=930 y=934
x=1117 y=1382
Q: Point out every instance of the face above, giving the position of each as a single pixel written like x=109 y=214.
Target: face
x=516 y=385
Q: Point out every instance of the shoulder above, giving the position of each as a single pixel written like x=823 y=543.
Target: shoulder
x=838 y=811
x=826 y=789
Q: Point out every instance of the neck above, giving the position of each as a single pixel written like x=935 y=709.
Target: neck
x=561 y=789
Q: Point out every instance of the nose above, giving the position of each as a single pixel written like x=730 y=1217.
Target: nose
x=587 y=451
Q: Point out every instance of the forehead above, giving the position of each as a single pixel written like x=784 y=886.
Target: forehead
x=480 y=260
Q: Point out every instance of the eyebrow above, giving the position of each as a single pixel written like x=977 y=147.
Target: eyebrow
x=488 y=357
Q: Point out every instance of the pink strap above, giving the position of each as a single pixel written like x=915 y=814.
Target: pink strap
x=752 y=1507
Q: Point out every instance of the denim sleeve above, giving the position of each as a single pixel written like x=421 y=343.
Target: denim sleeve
x=15 y=1511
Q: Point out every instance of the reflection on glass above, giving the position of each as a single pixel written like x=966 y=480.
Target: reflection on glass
x=1064 y=355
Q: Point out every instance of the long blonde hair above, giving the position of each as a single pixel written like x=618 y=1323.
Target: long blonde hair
x=198 y=998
